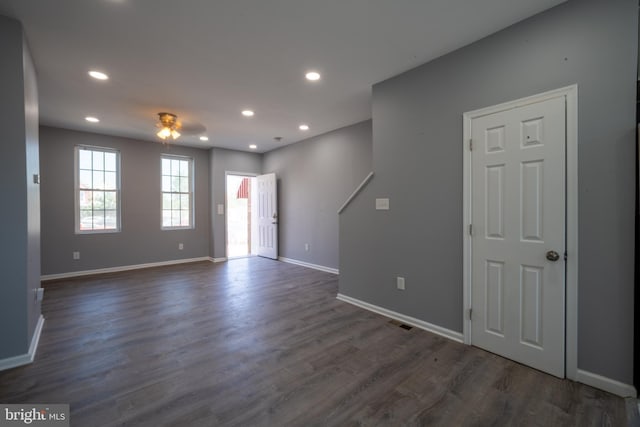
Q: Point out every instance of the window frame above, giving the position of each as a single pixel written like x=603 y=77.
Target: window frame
x=77 y=189
x=191 y=165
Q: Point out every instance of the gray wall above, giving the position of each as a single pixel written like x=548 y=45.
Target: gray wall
x=33 y=189
x=315 y=177
x=331 y=166
x=417 y=151
x=140 y=240
x=223 y=161
x=20 y=215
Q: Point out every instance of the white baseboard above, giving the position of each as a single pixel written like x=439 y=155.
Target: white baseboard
x=223 y=259
x=447 y=333
x=25 y=359
x=309 y=265
x=118 y=269
x=606 y=384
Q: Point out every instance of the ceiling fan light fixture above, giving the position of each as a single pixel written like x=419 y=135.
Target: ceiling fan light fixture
x=169 y=125
x=164 y=133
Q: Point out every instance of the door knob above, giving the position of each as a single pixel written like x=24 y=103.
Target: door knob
x=553 y=256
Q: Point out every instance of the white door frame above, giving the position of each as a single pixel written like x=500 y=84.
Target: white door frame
x=570 y=94
x=226 y=207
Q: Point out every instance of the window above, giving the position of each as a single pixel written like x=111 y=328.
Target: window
x=97 y=190
x=177 y=192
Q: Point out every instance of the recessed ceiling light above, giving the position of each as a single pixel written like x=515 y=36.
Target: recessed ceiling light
x=98 y=75
x=247 y=113
x=303 y=127
x=312 y=75
x=92 y=119
x=204 y=138
x=253 y=146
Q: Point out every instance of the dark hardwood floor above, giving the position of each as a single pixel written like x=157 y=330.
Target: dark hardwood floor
x=255 y=342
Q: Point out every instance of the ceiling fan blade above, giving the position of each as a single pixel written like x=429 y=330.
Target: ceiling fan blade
x=192 y=128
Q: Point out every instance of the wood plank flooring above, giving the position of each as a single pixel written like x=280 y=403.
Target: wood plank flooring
x=256 y=342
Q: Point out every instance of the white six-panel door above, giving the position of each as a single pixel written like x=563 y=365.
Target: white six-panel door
x=518 y=220
x=267 y=216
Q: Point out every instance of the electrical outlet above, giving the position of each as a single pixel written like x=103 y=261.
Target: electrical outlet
x=180 y=246
x=400 y=283
x=76 y=255
x=306 y=247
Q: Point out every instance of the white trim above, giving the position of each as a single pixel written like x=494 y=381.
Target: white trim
x=439 y=330
x=247 y=174
x=571 y=309
x=606 y=384
x=35 y=340
x=467 y=181
x=192 y=192
x=76 y=191
x=510 y=105
x=222 y=259
x=121 y=268
x=309 y=265
x=25 y=359
x=570 y=93
x=355 y=192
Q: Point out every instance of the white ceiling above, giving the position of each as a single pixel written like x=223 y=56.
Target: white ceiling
x=206 y=60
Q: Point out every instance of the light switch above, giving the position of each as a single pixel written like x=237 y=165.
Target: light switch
x=220 y=209
x=382 y=204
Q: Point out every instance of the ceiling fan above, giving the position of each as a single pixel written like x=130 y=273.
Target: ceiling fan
x=171 y=128
x=168 y=126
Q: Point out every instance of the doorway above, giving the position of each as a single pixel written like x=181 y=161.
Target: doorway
x=241 y=215
x=520 y=213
